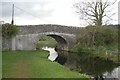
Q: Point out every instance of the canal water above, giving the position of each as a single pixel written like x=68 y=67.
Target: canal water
x=52 y=53
x=85 y=63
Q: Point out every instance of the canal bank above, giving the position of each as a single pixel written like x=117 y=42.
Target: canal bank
x=37 y=64
x=86 y=63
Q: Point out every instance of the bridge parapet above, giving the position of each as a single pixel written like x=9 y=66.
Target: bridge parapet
x=48 y=28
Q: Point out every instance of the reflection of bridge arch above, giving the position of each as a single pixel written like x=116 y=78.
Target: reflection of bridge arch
x=28 y=36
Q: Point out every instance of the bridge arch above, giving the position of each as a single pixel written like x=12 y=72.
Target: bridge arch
x=29 y=41
x=59 y=39
x=28 y=36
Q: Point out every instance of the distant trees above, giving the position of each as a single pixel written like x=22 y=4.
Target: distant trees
x=95 y=12
x=102 y=36
x=9 y=30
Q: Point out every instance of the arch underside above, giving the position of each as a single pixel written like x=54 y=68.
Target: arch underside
x=59 y=39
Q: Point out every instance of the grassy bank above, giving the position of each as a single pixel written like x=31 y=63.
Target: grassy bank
x=34 y=64
x=98 y=41
x=106 y=51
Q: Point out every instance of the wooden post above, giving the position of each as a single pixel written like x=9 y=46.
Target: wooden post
x=12 y=22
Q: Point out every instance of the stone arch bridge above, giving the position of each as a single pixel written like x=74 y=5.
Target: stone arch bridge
x=28 y=35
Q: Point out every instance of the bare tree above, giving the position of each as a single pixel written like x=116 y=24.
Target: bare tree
x=95 y=12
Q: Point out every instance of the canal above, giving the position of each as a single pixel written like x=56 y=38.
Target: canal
x=85 y=63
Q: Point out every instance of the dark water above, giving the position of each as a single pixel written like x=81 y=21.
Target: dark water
x=88 y=64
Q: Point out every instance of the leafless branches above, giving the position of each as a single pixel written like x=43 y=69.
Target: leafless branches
x=95 y=11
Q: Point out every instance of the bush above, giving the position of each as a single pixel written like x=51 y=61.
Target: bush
x=106 y=35
x=97 y=36
x=9 y=30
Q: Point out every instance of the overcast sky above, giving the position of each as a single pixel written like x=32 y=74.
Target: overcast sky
x=33 y=12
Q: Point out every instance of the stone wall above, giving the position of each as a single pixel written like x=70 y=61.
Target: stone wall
x=6 y=44
x=33 y=29
x=28 y=36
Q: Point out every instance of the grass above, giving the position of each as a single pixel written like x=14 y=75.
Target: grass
x=34 y=64
x=46 y=41
x=105 y=51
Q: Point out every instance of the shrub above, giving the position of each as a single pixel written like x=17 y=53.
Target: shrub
x=106 y=35
x=97 y=36
x=9 y=30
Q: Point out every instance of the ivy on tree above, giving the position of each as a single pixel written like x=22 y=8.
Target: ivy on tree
x=9 y=30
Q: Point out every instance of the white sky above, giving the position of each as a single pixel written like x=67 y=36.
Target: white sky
x=49 y=12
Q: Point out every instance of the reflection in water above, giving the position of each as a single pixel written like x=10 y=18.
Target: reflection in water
x=91 y=65
x=53 y=54
x=85 y=63
x=114 y=74
x=62 y=57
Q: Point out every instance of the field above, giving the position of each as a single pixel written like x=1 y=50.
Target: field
x=34 y=64
x=46 y=41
